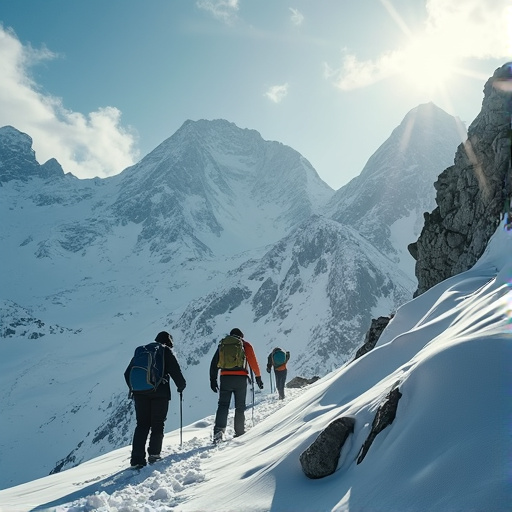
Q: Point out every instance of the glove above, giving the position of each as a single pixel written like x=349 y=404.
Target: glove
x=181 y=388
x=268 y=369
x=259 y=382
x=214 y=386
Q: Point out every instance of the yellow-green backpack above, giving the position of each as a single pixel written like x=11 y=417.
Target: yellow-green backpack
x=231 y=353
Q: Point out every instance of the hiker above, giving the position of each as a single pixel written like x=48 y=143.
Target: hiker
x=232 y=357
x=278 y=359
x=151 y=406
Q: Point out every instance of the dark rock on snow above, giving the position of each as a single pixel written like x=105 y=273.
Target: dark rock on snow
x=372 y=336
x=321 y=457
x=384 y=417
x=300 y=382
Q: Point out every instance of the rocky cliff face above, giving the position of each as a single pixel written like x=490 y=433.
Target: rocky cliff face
x=18 y=159
x=472 y=194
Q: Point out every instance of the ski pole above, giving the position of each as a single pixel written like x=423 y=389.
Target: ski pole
x=181 y=418
x=270 y=375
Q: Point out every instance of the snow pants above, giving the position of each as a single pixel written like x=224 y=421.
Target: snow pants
x=280 y=381
x=231 y=385
x=151 y=413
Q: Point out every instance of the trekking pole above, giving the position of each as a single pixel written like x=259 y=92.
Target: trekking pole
x=181 y=418
x=252 y=382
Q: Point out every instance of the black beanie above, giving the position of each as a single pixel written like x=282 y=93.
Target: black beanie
x=236 y=332
x=164 y=338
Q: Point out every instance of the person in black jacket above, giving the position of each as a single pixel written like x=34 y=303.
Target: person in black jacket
x=151 y=408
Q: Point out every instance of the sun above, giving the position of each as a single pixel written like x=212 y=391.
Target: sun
x=426 y=66
x=427 y=61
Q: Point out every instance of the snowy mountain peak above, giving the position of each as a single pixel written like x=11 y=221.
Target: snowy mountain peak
x=13 y=138
x=214 y=179
x=427 y=121
x=386 y=201
x=429 y=111
x=18 y=159
x=51 y=168
x=218 y=128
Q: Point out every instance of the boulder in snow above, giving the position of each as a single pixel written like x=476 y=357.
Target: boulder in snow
x=321 y=457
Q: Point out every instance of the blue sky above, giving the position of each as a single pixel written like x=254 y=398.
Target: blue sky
x=99 y=84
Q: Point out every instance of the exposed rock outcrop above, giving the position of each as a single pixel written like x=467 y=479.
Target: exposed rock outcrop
x=321 y=457
x=373 y=335
x=384 y=417
x=300 y=382
x=471 y=194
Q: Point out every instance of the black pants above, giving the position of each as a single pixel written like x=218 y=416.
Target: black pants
x=280 y=381
x=151 y=413
x=231 y=385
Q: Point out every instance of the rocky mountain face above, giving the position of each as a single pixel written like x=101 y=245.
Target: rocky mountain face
x=385 y=203
x=18 y=159
x=472 y=194
x=347 y=277
x=215 y=228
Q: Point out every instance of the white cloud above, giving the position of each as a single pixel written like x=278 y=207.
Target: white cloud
x=223 y=10
x=87 y=145
x=277 y=93
x=355 y=73
x=454 y=31
x=297 y=17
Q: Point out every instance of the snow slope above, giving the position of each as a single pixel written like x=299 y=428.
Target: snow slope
x=448 y=449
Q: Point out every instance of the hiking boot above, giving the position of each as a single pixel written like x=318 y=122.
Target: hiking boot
x=154 y=458
x=137 y=466
x=217 y=437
